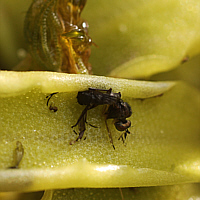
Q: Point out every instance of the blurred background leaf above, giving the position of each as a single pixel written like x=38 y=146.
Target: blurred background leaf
x=135 y=39
x=12 y=42
x=140 y=38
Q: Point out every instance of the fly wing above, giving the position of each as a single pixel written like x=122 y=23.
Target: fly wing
x=97 y=97
x=106 y=99
x=112 y=112
x=121 y=110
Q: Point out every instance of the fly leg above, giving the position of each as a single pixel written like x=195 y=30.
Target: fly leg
x=81 y=126
x=79 y=137
x=109 y=134
x=123 y=136
x=82 y=115
x=88 y=107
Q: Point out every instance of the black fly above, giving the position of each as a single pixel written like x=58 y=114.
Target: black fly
x=116 y=109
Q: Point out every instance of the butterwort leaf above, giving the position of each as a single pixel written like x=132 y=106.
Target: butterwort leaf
x=161 y=149
x=138 y=39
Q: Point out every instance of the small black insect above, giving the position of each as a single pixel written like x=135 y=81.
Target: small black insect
x=116 y=109
x=51 y=107
x=18 y=155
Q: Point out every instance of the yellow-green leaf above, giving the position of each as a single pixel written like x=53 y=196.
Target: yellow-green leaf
x=137 y=39
x=163 y=147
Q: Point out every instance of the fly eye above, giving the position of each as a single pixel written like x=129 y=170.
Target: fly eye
x=122 y=125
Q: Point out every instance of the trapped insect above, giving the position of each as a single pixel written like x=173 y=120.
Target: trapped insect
x=51 y=107
x=115 y=108
x=18 y=155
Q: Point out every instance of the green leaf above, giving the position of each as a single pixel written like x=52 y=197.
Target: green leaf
x=163 y=147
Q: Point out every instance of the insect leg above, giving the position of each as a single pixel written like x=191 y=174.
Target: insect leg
x=123 y=136
x=81 y=126
x=109 y=134
x=82 y=115
x=89 y=123
x=88 y=107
